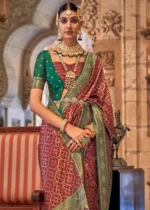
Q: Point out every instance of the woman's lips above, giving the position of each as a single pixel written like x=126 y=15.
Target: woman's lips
x=69 y=32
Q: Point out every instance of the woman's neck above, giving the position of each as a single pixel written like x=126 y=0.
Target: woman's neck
x=69 y=43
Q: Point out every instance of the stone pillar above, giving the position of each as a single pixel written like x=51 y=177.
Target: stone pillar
x=146 y=33
x=145 y=142
x=130 y=80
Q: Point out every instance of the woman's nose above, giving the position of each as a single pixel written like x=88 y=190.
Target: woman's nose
x=69 y=24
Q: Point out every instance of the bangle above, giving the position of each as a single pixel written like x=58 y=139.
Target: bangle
x=91 y=130
x=63 y=125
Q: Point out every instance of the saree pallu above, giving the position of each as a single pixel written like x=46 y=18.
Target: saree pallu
x=80 y=180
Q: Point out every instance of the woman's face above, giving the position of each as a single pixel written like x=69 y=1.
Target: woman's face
x=69 y=25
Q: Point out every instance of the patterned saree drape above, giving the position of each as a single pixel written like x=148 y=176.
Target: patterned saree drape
x=80 y=180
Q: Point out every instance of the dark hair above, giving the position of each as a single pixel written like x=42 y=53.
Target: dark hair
x=64 y=7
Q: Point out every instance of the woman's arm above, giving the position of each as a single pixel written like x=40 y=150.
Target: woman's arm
x=37 y=107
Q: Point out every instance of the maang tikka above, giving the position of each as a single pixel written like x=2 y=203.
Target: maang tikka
x=68 y=11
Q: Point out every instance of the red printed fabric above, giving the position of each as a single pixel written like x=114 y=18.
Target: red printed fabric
x=59 y=173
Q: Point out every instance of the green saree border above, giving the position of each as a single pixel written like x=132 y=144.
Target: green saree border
x=102 y=155
x=77 y=201
x=103 y=166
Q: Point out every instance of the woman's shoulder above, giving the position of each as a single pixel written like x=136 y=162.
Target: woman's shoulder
x=94 y=55
x=42 y=53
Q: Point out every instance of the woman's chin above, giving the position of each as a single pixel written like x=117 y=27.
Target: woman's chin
x=68 y=37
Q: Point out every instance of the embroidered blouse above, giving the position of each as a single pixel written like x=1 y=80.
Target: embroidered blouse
x=52 y=73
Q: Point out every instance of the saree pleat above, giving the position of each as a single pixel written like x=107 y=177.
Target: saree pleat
x=80 y=180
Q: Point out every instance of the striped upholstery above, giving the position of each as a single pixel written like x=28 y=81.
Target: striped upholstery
x=19 y=168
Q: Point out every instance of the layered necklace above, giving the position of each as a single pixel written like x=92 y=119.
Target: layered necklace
x=70 y=75
x=65 y=51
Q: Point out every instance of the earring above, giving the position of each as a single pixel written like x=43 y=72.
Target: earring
x=59 y=37
x=80 y=35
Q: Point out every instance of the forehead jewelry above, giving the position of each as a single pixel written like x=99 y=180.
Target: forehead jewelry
x=68 y=11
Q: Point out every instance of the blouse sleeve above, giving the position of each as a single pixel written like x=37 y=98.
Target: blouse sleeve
x=39 y=75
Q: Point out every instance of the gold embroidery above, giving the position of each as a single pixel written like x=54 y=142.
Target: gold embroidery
x=38 y=83
x=102 y=153
x=103 y=179
x=103 y=166
x=104 y=191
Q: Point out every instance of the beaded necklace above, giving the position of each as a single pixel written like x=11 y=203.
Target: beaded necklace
x=73 y=51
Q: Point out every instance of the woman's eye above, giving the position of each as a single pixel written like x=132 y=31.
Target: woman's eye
x=74 y=20
x=63 y=21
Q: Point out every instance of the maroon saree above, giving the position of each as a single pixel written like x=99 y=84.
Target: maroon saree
x=81 y=180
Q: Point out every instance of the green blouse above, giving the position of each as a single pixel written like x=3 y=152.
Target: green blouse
x=45 y=71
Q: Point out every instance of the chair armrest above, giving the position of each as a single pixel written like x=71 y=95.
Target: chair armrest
x=37 y=196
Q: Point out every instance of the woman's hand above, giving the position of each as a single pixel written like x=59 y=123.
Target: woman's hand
x=72 y=146
x=77 y=135
x=88 y=132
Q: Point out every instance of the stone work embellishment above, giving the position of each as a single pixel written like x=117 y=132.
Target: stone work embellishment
x=107 y=58
x=90 y=14
x=108 y=61
x=112 y=25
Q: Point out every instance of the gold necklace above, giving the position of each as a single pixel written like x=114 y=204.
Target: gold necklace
x=70 y=75
x=64 y=50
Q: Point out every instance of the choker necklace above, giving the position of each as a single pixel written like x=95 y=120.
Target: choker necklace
x=64 y=50
x=70 y=75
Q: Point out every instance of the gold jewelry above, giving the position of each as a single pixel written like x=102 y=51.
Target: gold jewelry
x=59 y=37
x=63 y=125
x=68 y=11
x=71 y=142
x=74 y=51
x=79 y=15
x=80 y=35
x=91 y=129
x=57 y=18
x=70 y=76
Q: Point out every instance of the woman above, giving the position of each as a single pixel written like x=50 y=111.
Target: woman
x=77 y=127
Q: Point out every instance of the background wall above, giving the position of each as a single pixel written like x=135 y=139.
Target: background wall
x=110 y=29
x=115 y=30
